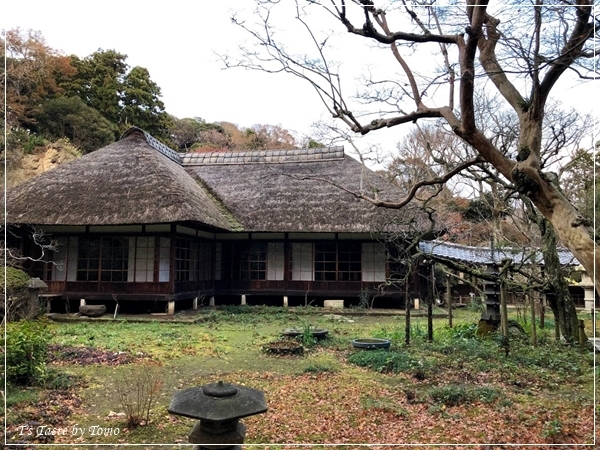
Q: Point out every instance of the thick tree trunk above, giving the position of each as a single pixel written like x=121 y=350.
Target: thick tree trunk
x=558 y=297
x=571 y=228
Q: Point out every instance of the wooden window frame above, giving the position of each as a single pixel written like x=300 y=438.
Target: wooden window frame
x=100 y=260
x=338 y=261
x=254 y=261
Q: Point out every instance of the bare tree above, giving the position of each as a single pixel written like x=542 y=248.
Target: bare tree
x=427 y=153
x=18 y=303
x=563 y=134
x=43 y=242
x=523 y=58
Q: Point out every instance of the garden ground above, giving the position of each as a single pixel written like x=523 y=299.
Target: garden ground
x=459 y=389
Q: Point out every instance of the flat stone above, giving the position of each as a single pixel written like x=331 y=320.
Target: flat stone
x=335 y=304
x=338 y=318
x=596 y=344
x=92 y=310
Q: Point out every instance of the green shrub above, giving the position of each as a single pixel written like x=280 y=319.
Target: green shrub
x=70 y=117
x=553 y=430
x=458 y=394
x=16 y=294
x=23 y=138
x=307 y=337
x=26 y=349
x=384 y=361
x=463 y=331
x=15 y=280
x=33 y=142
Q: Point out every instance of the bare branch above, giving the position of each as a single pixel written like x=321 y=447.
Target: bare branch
x=393 y=121
x=573 y=49
x=40 y=240
x=381 y=20
x=369 y=31
x=408 y=198
x=467 y=64
x=489 y=62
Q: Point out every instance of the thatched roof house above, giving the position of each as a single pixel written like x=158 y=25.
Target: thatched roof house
x=130 y=182
x=127 y=182
x=139 y=221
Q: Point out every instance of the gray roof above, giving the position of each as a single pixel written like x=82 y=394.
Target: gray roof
x=483 y=255
x=263 y=156
x=139 y=180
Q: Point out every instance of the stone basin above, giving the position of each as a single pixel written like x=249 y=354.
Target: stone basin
x=316 y=332
x=371 y=343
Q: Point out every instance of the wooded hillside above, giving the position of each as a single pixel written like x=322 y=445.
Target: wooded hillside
x=62 y=106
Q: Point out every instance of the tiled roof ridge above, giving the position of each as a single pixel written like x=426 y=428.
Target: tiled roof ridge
x=263 y=156
x=219 y=157
x=156 y=145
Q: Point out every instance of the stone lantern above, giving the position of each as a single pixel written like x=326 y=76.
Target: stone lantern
x=218 y=406
x=491 y=289
x=490 y=318
x=34 y=286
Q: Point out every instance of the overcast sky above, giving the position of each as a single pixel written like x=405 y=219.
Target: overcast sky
x=179 y=42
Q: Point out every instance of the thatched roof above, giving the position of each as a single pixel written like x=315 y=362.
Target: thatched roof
x=139 y=180
x=128 y=182
x=301 y=195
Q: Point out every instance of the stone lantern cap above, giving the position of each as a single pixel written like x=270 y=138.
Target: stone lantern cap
x=218 y=402
x=36 y=283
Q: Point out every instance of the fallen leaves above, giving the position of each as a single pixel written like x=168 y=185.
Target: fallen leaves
x=330 y=408
x=52 y=410
x=61 y=355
